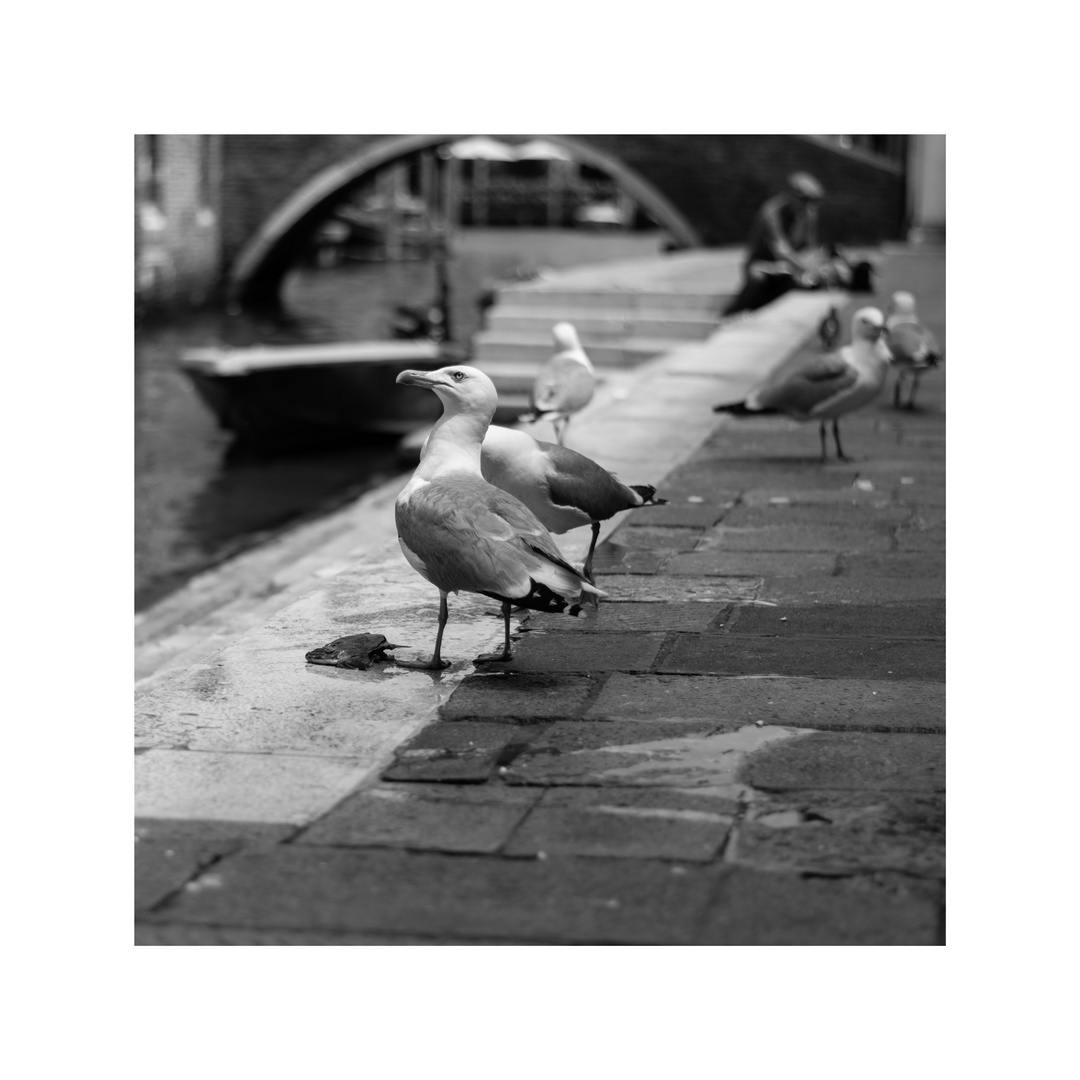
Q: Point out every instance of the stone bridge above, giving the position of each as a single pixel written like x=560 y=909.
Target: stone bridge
x=703 y=189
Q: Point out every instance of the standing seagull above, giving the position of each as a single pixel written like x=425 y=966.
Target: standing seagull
x=459 y=532
x=913 y=347
x=563 y=488
x=812 y=387
x=565 y=383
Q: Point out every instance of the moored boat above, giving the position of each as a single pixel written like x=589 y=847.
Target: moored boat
x=296 y=396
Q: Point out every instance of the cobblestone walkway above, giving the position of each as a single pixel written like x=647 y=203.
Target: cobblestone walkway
x=744 y=744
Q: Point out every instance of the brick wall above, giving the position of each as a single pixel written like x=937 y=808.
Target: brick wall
x=715 y=181
x=178 y=250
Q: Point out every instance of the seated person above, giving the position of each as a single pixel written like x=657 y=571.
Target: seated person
x=783 y=251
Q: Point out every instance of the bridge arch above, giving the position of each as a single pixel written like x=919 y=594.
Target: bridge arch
x=262 y=263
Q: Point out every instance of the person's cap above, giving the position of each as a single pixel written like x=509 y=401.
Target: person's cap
x=805 y=186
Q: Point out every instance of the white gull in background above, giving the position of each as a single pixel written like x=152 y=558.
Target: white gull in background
x=565 y=384
x=460 y=532
x=563 y=488
x=914 y=348
x=824 y=387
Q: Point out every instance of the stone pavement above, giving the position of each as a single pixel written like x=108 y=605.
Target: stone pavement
x=743 y=744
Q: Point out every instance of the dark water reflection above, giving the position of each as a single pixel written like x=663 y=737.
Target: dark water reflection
x=199 y=499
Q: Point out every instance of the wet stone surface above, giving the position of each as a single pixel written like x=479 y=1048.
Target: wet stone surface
x=766 y=908
x=844 y=832
x=462 y=752
x=628 y=823
x=872 y=658
x=569 y=899
x=679 y=590
x=825 y=704
x=625 y=617
x=722 y=563
x=433 y=817
x=851 y=761
x=592 y=653
x=922 y=619
x=519 y=697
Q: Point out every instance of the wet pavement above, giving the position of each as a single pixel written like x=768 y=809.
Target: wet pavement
x=744 y=744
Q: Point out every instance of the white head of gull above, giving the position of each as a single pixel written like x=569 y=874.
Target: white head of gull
x=915 y=350
x=565 y=384
x=563 y=488
x=823 y=387
x=460 y=532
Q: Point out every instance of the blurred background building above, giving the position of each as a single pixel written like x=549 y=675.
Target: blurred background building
x=232 y=214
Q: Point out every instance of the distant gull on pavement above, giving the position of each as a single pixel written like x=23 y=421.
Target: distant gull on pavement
x=460 y=532
x=822 y=387
x=563 y=488
x=565 y=384
x=914 y=348
x=829 y=330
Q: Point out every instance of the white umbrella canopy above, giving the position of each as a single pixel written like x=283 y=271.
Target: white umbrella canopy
x=541 y=150
x=482 y=148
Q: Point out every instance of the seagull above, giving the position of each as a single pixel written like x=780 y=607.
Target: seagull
x=814 y=387
x=563 y=488
x=460 y=532
x=913 y=347
x=829 y=330
x=565 y=384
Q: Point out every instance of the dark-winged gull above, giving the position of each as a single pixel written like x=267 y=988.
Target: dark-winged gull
x=460 y=532
x=563 y=488
x=565 y=384
x=914 y=348
x=823 y=387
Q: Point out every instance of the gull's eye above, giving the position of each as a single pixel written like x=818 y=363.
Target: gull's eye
x=457 y=376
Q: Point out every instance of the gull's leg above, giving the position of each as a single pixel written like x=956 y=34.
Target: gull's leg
x=436 y=663
x=911 y=394
x=896 y=391
x=836 y=436
x=587 y=568
x=560 y=432
x=505 y=654
x=821 y=432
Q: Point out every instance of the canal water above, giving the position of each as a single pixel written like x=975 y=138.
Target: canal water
x=198 y=498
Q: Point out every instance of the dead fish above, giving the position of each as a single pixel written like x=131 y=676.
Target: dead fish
x=353 y=651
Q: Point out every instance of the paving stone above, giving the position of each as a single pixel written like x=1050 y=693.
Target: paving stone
x=678 y=590
x=642 y=550
x=797 y=538
x=823 y=657
x=923 y=619
x=789 y=511
x=519 y=697
x=772 y=495
x=824 y=704
x=461 y=752
x=683 y=754
x=590 y=653
x=847 y=589
x=717 y=561
x=625 y=822
x=920 y=539
x=181 y=934
x=163 y=865
x=897 y=564
x=626 y=617
x=680 y=513
x=851 y=761
x=435 y=817
x=844 y=832
x=626 y=561
x=558 y=899
x=754 y=907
